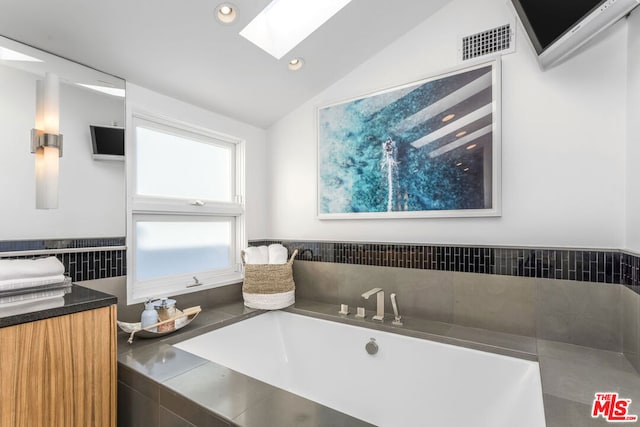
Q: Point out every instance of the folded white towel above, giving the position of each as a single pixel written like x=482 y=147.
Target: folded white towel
x=32 y=297
x=22 y=307
x=264 y=255
x=30 y=268
x=256 y=255
x=30 y=282
x=277 y=254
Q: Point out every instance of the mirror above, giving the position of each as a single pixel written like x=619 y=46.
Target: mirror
x=91 y=191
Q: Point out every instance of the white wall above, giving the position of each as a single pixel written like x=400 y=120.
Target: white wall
x=563 y=143
x=143 y=100
x=91 y=193
x=633 y=133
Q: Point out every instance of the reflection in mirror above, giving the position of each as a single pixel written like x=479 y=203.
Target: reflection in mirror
x=91 y=190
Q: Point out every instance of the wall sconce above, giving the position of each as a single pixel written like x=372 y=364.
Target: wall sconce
x=46 y=141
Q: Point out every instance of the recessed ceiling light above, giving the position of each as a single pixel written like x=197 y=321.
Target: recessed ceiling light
x=226 y=13
x=461 y=133
x=295 y=64
x=448 y=117
x=472 y=146
x=283 y=24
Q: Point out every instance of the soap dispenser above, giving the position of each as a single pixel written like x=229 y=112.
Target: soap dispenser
x=149 y=316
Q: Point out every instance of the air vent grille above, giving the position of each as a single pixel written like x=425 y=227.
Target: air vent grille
x=487 y=42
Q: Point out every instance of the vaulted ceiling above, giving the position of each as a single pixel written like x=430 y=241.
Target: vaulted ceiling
x=178 y=48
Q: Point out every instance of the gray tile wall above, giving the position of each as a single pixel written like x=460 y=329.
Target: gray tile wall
x=581 y=313
x=630 y=329
x=500 y=303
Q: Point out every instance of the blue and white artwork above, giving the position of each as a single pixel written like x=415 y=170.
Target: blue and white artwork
x=427 y=147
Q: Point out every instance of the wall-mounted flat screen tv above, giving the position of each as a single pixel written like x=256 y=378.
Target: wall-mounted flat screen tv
x=556 y=28
x=107 y=142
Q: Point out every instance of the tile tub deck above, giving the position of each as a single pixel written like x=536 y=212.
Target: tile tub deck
x=160 y=385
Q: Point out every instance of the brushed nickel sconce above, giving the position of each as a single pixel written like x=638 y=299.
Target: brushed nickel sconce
x=46 y=141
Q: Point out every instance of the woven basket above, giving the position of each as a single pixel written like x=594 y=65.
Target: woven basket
x=268 y=286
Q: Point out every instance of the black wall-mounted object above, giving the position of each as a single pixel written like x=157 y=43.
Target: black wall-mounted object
x=107 y=142
x=557 y=28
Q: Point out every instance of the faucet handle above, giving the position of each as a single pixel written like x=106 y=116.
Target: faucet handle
x=344 y=309
x=398 y=319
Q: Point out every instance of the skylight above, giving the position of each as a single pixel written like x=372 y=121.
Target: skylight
x=283 y=24
x=12 y=55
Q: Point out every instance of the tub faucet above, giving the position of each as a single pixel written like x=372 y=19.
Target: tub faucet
x=380 y=302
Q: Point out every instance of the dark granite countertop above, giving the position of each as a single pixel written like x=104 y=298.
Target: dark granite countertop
x=79 y=299
x=205 y=393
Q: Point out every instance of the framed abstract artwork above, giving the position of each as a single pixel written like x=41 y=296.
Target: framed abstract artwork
x=430 y=148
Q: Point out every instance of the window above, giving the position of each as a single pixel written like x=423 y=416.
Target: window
x=185 y=210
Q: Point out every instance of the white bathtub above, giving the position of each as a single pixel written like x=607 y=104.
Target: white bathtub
x=409 y=382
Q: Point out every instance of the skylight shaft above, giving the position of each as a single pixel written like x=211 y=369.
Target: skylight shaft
x=7 y=54
x=283 y=24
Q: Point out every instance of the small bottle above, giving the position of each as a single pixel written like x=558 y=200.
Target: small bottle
x=149 y=316
x=166 y=310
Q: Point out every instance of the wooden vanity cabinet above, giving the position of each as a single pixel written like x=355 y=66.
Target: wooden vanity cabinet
x=60 y=371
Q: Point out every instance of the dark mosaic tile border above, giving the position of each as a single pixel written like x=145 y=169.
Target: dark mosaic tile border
x=39 y=245
x=82 y=265
x=599 y=266
x=565 y=264
x=631 y=271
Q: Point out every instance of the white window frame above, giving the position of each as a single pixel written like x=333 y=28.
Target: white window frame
x=151 y=208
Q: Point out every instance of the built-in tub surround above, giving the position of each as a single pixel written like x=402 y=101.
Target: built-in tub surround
x=581 y=297
x=163 y=385
x=327 y=362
